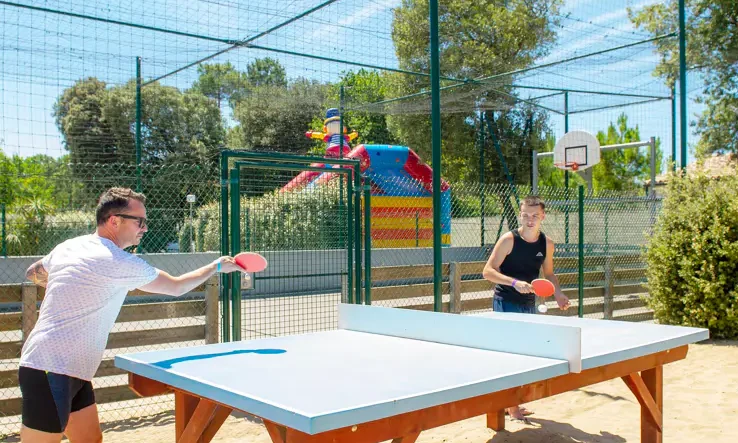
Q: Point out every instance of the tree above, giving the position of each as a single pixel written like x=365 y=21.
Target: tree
x=266 y=72
x=477 y=39
x=78 y=115
x=97 y=124
x=176 y=127
x=362 y=88
x=221 y=82
x=623 y=169
x=275 y=118
x=712 y=48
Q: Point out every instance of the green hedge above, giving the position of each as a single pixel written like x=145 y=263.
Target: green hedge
x=309 y=219
x=692 y=256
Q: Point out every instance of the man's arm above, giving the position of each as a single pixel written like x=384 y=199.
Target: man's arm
x=167 y=284
x=37 y=274
x=548 y=274
x=491 y=271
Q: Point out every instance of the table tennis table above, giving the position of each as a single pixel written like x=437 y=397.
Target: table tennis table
x=387 y=374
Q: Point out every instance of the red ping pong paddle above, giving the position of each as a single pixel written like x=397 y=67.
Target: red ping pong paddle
x=251 y=261
x=542 y=287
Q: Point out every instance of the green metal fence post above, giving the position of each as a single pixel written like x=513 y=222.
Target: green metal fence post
x=357 y=232
x=235 y=249
x=480 y=140
x=350 y=239
x=417 y=228
x=4 y=243
x=367 y=245
x=673 y=129
x=138 y=124
x=581 y=251
x=138 y=131
x=435 y=72
x=683 y=80
x=224 y=247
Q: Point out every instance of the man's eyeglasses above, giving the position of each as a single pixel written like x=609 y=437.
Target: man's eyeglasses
x=141 y=220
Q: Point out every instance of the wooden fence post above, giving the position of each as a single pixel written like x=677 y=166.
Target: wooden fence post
x=29 y=312
x=454 y=271
x=212 y=308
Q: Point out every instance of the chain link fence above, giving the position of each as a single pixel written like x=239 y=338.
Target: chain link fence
x=614 y=230
x=32 y=227
x=300 y=219
x=304 y=231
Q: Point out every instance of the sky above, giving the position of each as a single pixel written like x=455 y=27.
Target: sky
x=42 y=53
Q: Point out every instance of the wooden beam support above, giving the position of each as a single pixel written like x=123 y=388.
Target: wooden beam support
x=496 y=420
x=145 y=387
x=220 y=416
x=277 y=433
x=654 y=380
x=184 y=406
x=199 y=420
x=648 y=404
x=410 y=438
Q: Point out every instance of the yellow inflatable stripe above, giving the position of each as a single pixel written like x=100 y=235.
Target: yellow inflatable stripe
x=445 y=239
x=402 y=202
x=400 y=223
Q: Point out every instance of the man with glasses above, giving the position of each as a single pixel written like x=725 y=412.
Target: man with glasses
x=516 y=260
x=86 y=280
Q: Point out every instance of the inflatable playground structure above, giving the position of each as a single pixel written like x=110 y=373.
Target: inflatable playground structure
x=401 y=188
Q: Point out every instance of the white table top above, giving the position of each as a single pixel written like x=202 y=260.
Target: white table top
x=384 y=361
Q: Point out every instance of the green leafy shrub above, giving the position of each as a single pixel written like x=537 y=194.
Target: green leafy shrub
x=307 y=219
x=692 y=256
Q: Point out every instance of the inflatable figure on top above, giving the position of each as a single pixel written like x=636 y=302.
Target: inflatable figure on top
x=331 y=136
x=401 y=188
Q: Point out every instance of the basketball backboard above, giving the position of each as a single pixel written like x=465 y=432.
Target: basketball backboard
x=576 y=151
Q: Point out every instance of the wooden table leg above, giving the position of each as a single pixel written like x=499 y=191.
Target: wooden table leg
x=496 y=420
x=184 y=407
x=410 y=438
x=197 y=420
x=654 y=381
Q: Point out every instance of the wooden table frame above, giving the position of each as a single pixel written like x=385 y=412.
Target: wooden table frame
x=198 y=419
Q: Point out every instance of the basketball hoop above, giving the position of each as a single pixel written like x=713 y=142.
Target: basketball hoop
x=567 y=165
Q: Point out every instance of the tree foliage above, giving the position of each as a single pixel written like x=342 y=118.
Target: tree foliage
x=477 y=39
x=275 y=118
x=221 y=82
x=97 y=124
x=623 y=169
x=712 y=48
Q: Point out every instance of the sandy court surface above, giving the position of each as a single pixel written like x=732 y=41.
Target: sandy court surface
x=700 y=402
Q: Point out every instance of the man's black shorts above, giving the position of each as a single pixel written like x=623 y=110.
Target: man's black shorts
x=49 y=398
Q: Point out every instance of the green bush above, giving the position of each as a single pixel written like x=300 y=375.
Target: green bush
x=692 y=256
x=306 y=219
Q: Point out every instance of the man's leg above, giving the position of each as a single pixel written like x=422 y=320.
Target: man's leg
x=40 y=419
x=84 y=426
x=28 y=435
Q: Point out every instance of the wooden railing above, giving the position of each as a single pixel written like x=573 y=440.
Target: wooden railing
x=608 y=283
x=29 y=295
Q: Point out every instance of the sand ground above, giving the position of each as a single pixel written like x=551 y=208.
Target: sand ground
x=700 y=405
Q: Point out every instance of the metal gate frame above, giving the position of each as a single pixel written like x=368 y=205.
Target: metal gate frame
x=230 y=244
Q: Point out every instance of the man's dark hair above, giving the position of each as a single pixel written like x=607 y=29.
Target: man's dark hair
x=534 y=200
x=115 y=200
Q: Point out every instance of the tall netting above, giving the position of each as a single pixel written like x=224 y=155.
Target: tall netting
x=148 y=94
x=304 y=234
